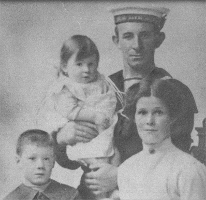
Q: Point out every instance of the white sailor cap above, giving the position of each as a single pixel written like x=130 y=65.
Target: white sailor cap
x=153 y=15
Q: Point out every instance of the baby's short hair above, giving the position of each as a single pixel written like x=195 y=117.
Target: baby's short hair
x=80 y=44
x=36 y=137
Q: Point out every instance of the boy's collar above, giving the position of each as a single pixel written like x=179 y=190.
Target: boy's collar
x=29 y=193
x=36 y=187
x=26 y=193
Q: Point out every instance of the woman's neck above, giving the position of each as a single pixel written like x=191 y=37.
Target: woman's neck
x=155 y=145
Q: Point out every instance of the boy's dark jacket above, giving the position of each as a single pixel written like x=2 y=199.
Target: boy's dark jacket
x=54 y=191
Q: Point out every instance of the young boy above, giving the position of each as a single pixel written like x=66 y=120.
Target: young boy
x=35 y=157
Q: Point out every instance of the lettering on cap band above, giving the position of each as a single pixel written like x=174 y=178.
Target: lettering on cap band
x=139 y=18
x=156 y=16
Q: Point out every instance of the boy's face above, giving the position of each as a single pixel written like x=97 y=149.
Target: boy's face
x=82 y=71
x=36 y=163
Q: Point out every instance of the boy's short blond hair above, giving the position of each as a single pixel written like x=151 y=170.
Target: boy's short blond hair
x=36 y=137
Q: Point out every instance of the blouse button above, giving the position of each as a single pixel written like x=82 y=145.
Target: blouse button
x=151 y=151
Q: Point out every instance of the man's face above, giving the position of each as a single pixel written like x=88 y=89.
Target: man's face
x=138 y=42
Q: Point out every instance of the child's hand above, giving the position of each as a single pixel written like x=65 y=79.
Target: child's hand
x=106 y=124
x=102 y=121
x=74 y=132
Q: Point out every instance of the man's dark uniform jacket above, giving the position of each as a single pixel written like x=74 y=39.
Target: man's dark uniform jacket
x=126 y=137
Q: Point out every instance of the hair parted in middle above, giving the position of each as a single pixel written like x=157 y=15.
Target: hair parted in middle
x=167 y=90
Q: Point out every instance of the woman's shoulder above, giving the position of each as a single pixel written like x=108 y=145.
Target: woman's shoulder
x=187 y=176
x=186 y=162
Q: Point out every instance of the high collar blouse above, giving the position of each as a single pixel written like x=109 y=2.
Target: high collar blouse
x=162 y=173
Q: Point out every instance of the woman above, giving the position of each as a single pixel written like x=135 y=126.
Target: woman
x=160 y=171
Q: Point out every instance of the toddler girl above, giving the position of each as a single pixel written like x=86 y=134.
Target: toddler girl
x=82 y=93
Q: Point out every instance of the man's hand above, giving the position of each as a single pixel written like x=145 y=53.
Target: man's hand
x=102 y=178
x=76 y=131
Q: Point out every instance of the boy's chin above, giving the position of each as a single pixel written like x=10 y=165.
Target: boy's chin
x=39 y=182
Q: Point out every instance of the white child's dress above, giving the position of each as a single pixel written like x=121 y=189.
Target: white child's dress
x=64 y=101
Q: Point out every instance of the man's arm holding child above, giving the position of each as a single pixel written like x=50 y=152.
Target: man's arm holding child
x=79 y=132
x=102 y=178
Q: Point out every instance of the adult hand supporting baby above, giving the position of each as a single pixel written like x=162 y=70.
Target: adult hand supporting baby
x=76 y=131
x=102 y=178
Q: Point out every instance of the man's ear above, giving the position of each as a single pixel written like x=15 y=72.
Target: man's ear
x=115 y=39
x=18 y=158
x=54 y=160
x=53 y=164
x=160 y=38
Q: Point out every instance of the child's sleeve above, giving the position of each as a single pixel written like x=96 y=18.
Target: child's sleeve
x=57 y=108
x=105 y=108
x=107 y=102
x=67 y=104
x=48 y=118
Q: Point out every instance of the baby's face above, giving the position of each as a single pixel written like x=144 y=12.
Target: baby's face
x=36 y=163
x=82 y=71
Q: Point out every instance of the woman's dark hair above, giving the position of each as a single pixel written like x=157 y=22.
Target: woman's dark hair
x=168 y=91
x=80 y=44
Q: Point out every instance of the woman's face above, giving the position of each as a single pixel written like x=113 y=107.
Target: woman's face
x=152 y=120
